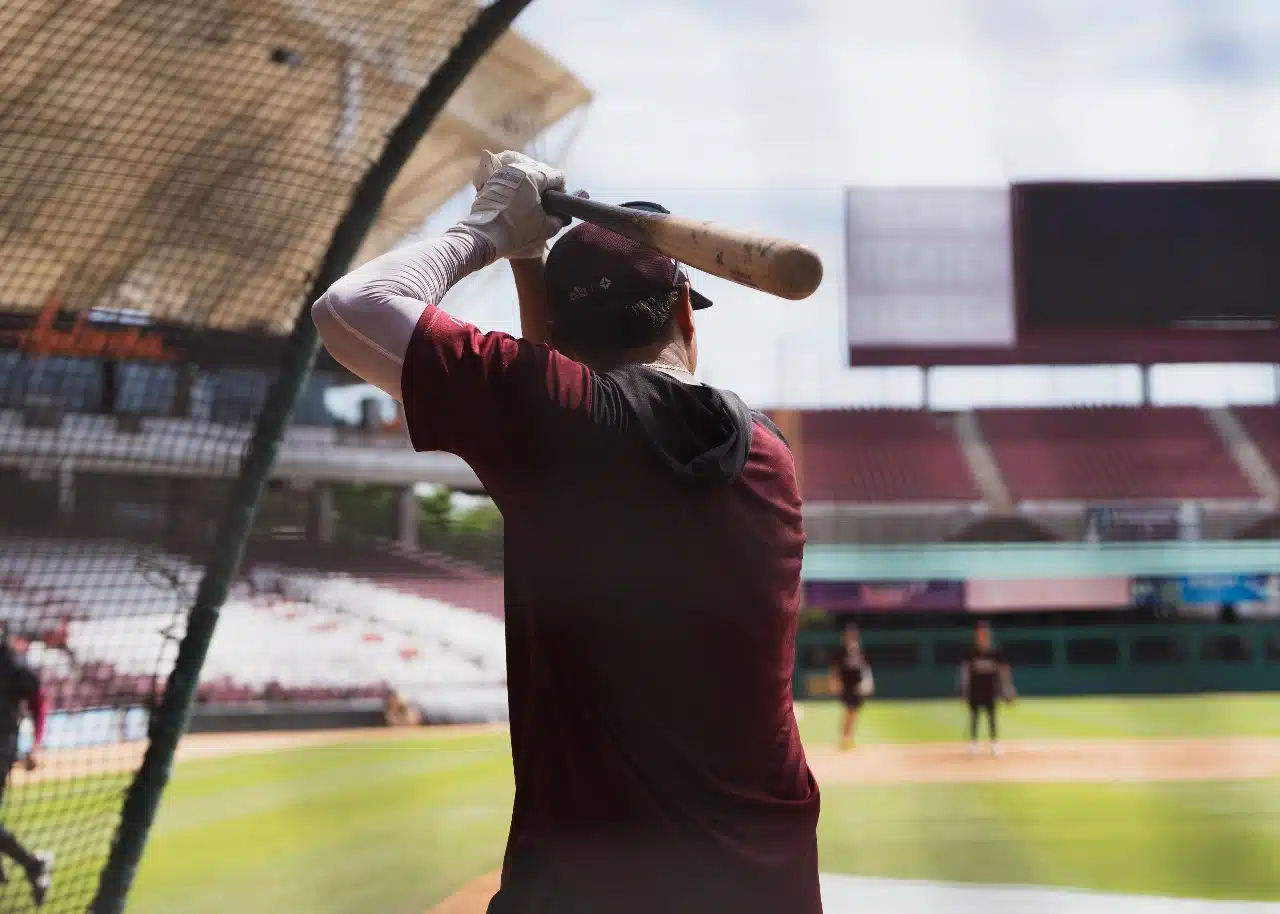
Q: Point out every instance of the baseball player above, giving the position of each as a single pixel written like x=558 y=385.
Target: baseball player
x=985 y=677
x=653 y=547
x=19 y=686
x=852 y=679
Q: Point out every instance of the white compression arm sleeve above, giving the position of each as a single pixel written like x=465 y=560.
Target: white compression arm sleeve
x=367 y=318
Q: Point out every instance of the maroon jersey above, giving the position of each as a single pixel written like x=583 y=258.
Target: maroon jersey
x=653 y=549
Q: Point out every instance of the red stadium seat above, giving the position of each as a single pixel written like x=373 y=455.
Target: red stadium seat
x=1112 y=453
x=882 y=456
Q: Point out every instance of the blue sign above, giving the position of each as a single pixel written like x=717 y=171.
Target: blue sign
x=1224 y=588
x=1258 y=591
x=82 y=729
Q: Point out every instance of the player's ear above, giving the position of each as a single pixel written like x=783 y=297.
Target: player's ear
x=684 y=323
x=684 y=313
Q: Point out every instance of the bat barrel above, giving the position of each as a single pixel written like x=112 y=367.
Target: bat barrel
x=774 y=265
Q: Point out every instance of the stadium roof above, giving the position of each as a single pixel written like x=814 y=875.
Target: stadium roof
x=193 y=161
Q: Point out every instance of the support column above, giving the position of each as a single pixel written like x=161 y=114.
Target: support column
x=407 y=512
x=66 y=489
x=323 y=518
x=186 y=377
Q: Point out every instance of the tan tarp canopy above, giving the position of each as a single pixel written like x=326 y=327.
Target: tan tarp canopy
x=191 y=158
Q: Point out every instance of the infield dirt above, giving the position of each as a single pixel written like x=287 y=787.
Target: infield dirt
x=1040 y=761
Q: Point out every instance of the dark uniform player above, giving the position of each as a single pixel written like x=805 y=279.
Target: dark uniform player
x=653 y=524
x=985 y=678
x=19 y=686
x=851 y=675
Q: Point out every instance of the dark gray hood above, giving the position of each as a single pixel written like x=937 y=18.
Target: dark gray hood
x=702 y=433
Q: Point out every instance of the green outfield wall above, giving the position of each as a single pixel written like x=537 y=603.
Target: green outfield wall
x=1155 y=658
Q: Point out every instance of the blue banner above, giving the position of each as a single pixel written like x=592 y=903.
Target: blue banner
x=1224 y=588
x=1253 y=593
x=81 y=729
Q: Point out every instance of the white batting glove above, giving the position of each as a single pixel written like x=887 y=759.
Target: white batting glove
x=508 y=206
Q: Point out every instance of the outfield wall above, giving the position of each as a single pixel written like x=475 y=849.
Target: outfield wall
x=1095 y=660
x=113 y=726
x=269 y=716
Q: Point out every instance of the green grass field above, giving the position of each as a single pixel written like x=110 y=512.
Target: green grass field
x=1244 y=714
x=393 y=827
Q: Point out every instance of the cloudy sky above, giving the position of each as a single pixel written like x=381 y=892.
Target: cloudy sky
x=760 y=112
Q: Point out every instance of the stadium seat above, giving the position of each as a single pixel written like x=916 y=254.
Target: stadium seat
x=1112 y=453
x=883 y=456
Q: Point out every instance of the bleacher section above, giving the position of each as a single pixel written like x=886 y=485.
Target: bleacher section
x=283 y=636
x=883 y=456
x=899 y=476
x=425 y=574
x=1112 y=453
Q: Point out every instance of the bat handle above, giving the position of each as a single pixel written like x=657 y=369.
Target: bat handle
x=568 y=206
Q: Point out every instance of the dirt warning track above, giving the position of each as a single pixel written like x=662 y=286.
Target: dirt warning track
x=125 y=757
x=1132 y=760
x=1127 y=761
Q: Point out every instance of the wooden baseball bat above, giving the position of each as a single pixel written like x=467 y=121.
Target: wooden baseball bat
x=774 y=265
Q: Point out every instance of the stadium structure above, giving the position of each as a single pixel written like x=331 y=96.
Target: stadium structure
x=1123 y=279
x=1070 y=474
x=143 y=322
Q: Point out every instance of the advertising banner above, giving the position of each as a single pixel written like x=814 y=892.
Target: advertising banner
x=1250 y=594
x=1029 y=594
x=82 y=729
x=106 y=336
x=885 y=596
x=1142 y=523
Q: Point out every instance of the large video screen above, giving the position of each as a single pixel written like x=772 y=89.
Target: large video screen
x=1147 y=256
x=1063 y=272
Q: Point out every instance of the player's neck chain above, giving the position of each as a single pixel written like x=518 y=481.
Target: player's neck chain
x=665 y=366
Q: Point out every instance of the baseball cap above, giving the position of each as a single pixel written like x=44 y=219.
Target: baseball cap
x=592 y=267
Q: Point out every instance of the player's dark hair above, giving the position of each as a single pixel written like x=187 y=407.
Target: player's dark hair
x=629 y=324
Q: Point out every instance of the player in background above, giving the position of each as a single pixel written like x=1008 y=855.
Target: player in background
x=654 y=538
x=851 y=677
x=985 y=678
x=19 y=687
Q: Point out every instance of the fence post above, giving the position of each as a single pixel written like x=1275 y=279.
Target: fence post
x=169 y=719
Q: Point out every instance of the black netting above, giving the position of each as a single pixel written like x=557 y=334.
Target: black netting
x=171 y=175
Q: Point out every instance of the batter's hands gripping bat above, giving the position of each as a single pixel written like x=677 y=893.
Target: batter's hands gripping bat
x=774 y=265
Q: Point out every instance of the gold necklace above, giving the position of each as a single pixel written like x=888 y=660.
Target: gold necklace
x=663 y=366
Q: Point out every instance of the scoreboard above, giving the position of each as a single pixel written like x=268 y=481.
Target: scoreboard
x=1147 y=256
x=1064 y=272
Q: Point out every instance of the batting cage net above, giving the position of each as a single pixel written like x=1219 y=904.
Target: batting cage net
x=176 y=177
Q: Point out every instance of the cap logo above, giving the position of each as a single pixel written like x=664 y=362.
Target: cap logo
x=605 y=282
